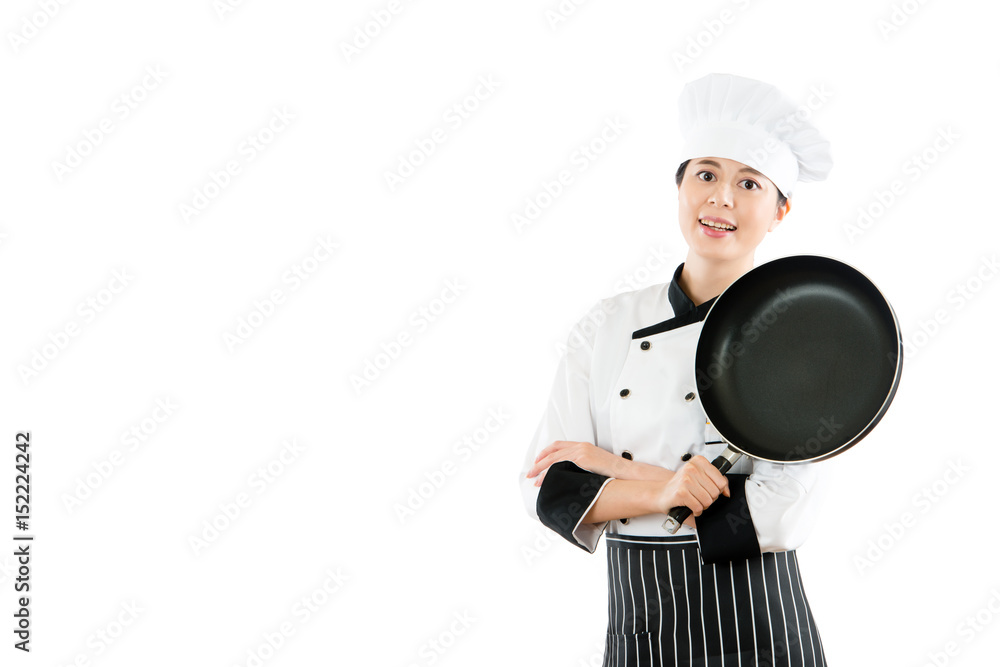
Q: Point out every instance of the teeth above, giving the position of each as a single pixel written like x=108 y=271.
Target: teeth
x=717 y=225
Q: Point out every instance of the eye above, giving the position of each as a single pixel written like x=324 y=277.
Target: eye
x=751 y=182
x=708 y=173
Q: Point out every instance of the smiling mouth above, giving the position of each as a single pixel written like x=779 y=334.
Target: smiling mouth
x=717 y=225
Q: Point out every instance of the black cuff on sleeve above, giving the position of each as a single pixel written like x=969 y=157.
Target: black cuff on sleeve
x=725 y=530
x=566 y=492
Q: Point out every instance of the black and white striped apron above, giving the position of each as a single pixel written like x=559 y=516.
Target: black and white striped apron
x=666 y=608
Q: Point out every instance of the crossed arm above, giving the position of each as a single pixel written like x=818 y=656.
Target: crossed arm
x=637 y=488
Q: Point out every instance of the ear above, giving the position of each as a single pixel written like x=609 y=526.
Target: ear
x=780 y=214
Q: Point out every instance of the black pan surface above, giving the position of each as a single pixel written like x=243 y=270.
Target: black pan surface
x=798 y=359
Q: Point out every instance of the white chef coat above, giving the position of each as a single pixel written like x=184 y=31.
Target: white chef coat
x=657 y=420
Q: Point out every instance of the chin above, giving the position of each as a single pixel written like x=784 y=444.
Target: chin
x=713 y=251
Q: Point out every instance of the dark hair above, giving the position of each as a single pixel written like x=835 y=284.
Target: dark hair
x=680 y=177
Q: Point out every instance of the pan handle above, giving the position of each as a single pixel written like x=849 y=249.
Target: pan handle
x=723 y=462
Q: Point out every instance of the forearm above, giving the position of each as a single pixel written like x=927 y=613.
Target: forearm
x=625 y=498
x=646 y=472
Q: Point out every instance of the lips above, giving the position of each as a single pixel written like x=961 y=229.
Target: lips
x=717 y=223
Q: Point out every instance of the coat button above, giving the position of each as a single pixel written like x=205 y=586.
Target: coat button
x=689 y=396
x=686 y=457
x=624 y=522
x=645 y=345
x=623 y=393
x=627 y=455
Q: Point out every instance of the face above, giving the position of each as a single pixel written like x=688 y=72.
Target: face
x=733 y=193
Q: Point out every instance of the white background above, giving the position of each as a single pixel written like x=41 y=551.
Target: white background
x=469 y=550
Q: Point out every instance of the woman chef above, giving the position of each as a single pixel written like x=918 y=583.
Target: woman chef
x=623 y=439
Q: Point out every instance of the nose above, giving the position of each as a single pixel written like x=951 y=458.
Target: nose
x=721 y=194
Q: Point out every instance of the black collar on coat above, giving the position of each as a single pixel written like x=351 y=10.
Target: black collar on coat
x=685 y=312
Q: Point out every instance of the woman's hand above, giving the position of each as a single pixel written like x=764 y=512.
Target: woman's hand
x=584 y=454
x=695 y=485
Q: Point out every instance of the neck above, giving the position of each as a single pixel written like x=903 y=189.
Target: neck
x=702 y=279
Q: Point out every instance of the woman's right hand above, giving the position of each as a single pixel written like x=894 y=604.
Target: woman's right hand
x=695 y=485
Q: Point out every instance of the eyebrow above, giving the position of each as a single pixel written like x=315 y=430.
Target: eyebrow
x=719 y=166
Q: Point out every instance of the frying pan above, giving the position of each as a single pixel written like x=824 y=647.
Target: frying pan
x=797 y=361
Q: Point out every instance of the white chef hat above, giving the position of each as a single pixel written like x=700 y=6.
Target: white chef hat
x=729 y=116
